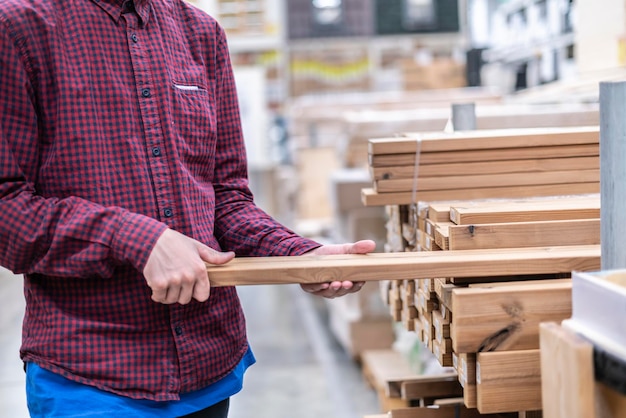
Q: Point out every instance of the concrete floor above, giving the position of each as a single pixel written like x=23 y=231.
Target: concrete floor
x=301 y=371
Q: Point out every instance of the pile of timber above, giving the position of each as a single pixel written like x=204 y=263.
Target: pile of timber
x=483 y=164
x=362 y=124
x=477 y=310
x=487 y=328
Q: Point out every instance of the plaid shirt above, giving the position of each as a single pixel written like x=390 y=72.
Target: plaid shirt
x=116 y=122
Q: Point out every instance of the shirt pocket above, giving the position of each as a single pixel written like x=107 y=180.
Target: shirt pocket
x=194 y=121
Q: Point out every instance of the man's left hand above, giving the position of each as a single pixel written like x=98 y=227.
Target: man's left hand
x=338 y=288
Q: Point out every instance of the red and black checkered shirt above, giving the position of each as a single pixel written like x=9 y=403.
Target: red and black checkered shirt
x=118 y=120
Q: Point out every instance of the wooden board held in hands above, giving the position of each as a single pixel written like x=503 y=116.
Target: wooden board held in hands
x=403 y=266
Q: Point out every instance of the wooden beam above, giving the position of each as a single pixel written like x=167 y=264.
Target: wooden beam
x=388 y=369
x=492 y=281
x=472 y=155
x=432 y=386
x=524 y=234
x=508 y=381
x=486 y=139
x=506 y=317
x=400 y=266
x=567 y=379
x=469 y=180
x=526 y=210
x=369 y=197
x=381 y=367
x=486 y=167
x=440 y=412
x=466 y=368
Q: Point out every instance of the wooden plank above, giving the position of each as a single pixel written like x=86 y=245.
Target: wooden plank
x=388 y=369
x=506 y=317
x=486 y=139
x=448 y=401
x=440 y=412
x=492 y=281
x=567 y=379
x=466 y=369
x=530 y=210
x=381 y=367
x=369 y=197
x=486 y=167
x=471 y=155
x=439 y=351
x=431 y=386
x=401 y=266
x=524 y=234
x=441 y=325
x=439 y=211
x=442 y=235
x=468 y=180
x=470 y=395
x=508 y=381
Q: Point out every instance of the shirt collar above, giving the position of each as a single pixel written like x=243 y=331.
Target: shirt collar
x=115 y=8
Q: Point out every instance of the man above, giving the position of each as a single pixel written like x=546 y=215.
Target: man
x=123 y=170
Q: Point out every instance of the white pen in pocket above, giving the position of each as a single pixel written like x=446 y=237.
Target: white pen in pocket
x=187 y=87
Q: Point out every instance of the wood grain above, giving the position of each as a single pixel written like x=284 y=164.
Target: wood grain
x=567 y=379
x=506 y=317
x=524 y=234
x=400 y=266
x=486 y=167
x=370 y=197
x=486 y=139
x=469 y=180
x=469 y=155
x=526 y=210
x=508 y=381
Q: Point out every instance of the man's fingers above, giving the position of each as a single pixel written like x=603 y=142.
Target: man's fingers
x=185 y=294
x=362 y=247
x=159 y=295
x=176 y=268
x=202 y=290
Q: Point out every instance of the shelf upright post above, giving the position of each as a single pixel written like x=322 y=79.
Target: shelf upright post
x=613 y=174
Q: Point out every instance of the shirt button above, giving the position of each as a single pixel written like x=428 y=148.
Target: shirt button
x=156 y=151
x=145 y=92
x=134 y=38
x=178 y=330
x=168 y=213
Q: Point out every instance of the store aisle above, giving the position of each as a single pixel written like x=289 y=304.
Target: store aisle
x=12 y=396
x=301 y=372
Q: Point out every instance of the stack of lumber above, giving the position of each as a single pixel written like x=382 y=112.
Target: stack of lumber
x=487 y=328
x=404 y=394
x=483 y=164
x=362 y=124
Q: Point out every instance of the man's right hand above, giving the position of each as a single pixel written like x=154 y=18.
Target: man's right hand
x=176 y=270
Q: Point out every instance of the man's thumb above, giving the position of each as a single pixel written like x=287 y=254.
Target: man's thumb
x=209 y=255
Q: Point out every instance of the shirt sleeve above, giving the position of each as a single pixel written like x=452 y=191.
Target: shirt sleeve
x=240 y=225
x=65 y=237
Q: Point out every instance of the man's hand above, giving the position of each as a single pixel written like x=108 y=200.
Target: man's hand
x=339 y=288
x=175 y=270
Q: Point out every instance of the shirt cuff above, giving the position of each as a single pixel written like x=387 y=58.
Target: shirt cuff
x=136 y=238
x=295 y=246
